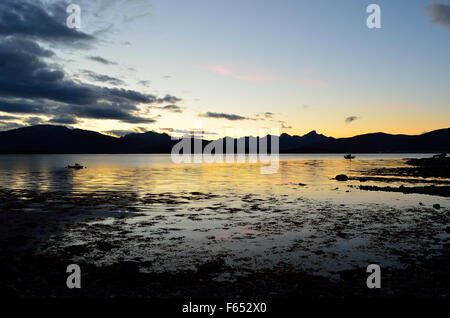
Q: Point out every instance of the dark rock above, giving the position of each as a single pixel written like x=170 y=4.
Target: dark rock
x=129 y=269
x=351 y=275
x=18 y=240
x=210 y=267
x=436 y=206
x=9 y=270
x=341 y=177
x=445 y=161
x=431 y=190
x=77 y=249
x=105 y=246
x=31 y=224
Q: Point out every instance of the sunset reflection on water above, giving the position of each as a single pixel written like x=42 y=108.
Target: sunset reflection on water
x=307 y=175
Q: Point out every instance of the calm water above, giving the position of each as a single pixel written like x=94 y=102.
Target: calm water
x=157 y=173
x=299 y=216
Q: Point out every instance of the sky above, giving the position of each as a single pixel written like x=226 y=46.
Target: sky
x=169 y=66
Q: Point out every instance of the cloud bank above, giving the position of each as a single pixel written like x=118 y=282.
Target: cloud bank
x=351 y=119
x=231 y=117
x=32 y=83
x=101 y=60
x=439 y=13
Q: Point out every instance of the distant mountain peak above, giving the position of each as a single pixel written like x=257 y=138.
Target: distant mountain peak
x=61 y=139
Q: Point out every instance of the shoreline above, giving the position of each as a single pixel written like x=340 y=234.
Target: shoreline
x=204 y=244
x=39 y=240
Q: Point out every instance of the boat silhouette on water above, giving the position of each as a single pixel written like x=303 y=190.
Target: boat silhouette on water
x=76 y=166
x=349 y=156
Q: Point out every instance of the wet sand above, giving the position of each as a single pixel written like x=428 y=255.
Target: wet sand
x=284 y=248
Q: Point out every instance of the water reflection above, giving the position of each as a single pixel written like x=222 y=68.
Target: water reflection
x=156 y=173
x=300 y=214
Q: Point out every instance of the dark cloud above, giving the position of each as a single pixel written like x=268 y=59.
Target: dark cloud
x=144 y=83
x=9 y=125
x=124 y=132
x=101 y=60
x=122 y=112
x=268 y=114
x=8 y=117
x=168 y=99
x=64 y=119
x=26 y=81
x=138 y=120
x=31 y=84
x=223 y=116
x=36 y=20
x=21 y=107
x=24 y=74
x=119 y=133
x=172 y=108
x=67 y=113
x=103 y=78
x=131 y=95
x=284 y=125
x=33 y=121
x=439 y=13
x=198 y=132
x=351 y=119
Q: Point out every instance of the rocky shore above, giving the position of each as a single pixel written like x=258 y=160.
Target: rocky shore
x=418 y=168
x=443 y=191
x=108 y=235
x=434 y=172
x=44 y=277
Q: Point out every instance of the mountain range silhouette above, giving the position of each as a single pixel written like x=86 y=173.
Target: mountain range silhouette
x=46 y=139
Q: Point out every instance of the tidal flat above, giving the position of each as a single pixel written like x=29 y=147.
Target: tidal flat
x=302 y=234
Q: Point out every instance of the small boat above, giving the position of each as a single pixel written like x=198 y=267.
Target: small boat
x=76 y=166
x=349 y=156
